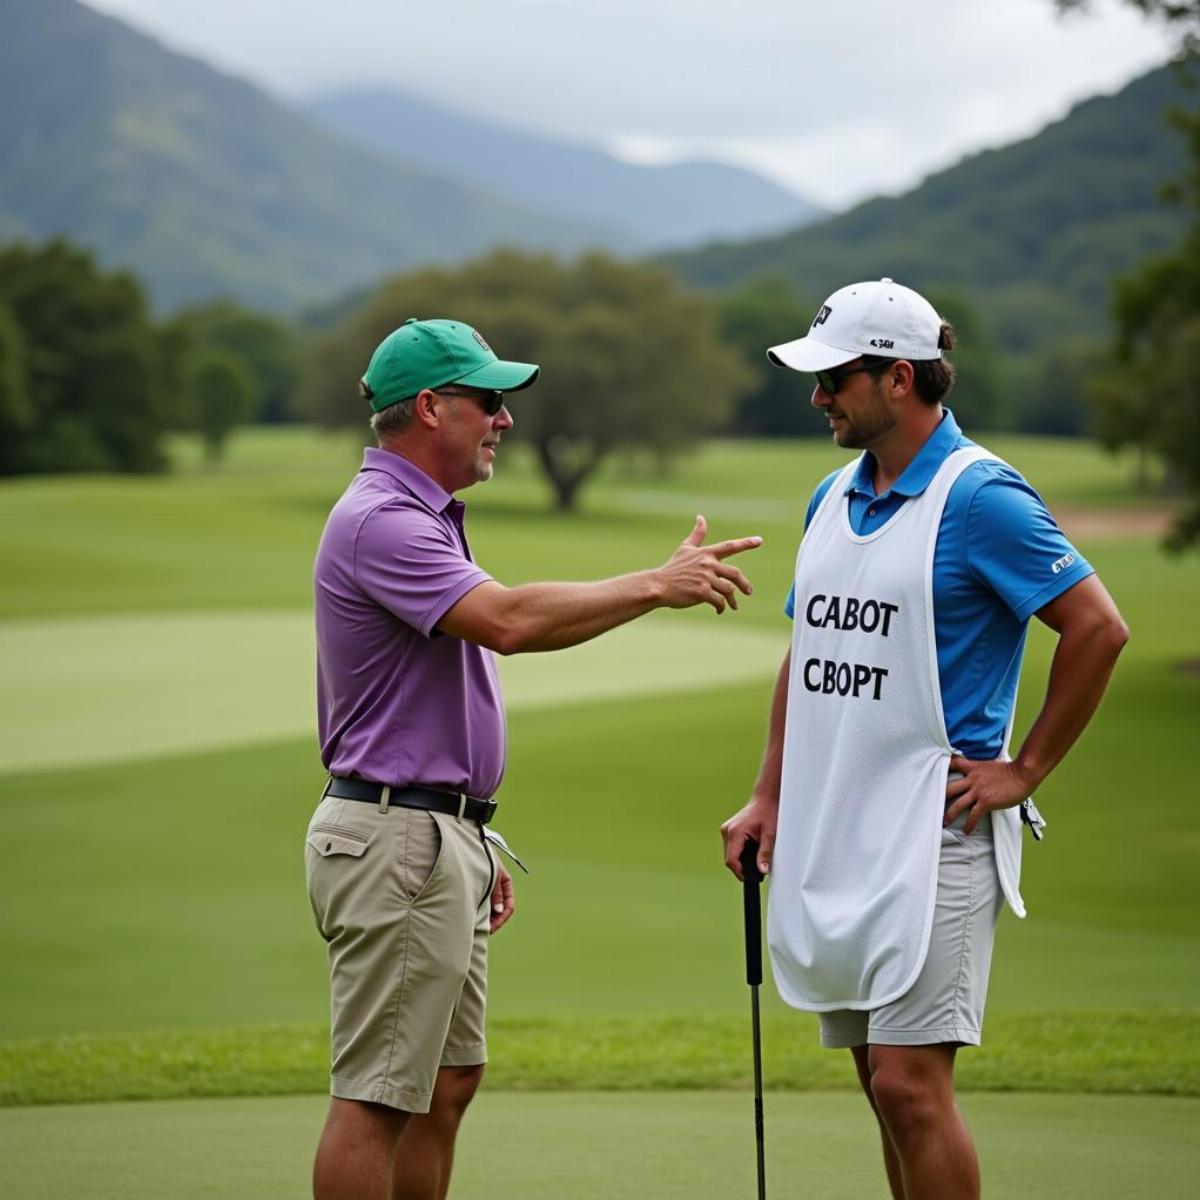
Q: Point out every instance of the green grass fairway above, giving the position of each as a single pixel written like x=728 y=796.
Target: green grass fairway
x=117 y=688
x=678 y=1146
x=157 y=769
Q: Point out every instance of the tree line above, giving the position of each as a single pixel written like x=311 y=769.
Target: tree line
x=91 y=381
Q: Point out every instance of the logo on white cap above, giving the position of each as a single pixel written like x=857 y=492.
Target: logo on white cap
x=873 y=318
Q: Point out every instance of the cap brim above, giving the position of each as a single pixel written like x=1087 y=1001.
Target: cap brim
x=502 y=376
x=807 y=354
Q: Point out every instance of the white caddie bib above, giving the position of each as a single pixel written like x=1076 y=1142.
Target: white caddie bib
x=866 y=756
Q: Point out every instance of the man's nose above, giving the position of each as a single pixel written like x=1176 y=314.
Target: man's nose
x=503 y=419
x=820 y=398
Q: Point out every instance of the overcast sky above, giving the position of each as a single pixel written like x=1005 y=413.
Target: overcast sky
x=840 y=99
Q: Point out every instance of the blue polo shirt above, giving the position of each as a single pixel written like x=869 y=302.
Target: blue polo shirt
x=999 y=558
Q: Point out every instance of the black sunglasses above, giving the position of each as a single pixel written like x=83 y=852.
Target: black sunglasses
x=830 y=381
x=488 y=399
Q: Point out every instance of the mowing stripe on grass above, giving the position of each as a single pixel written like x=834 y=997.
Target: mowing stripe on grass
x=108 y=689
x=1089 y=1051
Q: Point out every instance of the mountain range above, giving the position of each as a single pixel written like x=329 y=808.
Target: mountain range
x=206 y=186
x=1033 y=232
x=676 y=204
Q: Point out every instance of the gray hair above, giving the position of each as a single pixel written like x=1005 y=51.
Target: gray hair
x=396 y=418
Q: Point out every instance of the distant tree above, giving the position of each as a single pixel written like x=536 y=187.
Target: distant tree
x=1055 y=400
x=267 y=348
x=16 y=408
x=222 y=396
x=629 y=359
x=761 y=313
x=978 y=400
x=1152 y=400
x=1024 y=318
x=92 y=397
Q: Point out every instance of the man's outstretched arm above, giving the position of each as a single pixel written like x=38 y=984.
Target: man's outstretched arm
x=760 y=815
x=1091 y=636
x=552 y=616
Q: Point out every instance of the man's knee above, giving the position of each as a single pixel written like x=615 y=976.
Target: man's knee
x=366 y=1119
x=455 y=1088
x=909 y=1096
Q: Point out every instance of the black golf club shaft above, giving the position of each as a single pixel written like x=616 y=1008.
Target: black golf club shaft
x=752 y=916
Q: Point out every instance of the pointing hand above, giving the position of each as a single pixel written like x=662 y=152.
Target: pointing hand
x=699 y=574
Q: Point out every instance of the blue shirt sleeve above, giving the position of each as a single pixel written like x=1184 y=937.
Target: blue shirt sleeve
x=814 y=503
x=1015 y=547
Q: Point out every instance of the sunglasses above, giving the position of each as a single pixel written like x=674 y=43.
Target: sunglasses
x=489 y=400
x=830 y=381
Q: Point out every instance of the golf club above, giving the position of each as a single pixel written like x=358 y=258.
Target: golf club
x=751 y=912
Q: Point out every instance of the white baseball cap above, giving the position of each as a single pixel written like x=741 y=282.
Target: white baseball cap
x=884 y=319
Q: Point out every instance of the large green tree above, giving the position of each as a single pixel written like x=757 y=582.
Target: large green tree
x=628 y=358
x=222 y=396
x=1151 y=400
x=80 y=364
x=765 y=312
x=267 y=349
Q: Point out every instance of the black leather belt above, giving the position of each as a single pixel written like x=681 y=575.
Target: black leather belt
x=454 y=804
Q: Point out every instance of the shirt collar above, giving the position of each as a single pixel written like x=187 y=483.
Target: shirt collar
x=412 y=478
x=919 y=473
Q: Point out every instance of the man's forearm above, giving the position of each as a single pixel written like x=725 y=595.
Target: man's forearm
x=1079 y=673
x=552 y=616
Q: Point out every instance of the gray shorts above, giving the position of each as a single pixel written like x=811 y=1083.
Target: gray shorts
x=946 y=1002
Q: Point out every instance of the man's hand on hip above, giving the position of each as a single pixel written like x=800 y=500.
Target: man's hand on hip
x=502 y=896
x=698 y=574
x=756 y=820
x=984 y=788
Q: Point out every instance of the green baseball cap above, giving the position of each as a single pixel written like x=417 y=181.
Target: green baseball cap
x=430 y=354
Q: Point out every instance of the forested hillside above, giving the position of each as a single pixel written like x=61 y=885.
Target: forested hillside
x=205 y=185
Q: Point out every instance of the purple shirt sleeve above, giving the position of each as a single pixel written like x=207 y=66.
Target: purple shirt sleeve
x=412 y=563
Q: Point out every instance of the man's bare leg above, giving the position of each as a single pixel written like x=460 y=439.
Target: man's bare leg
x=891 y=1162
x=354 y=1157
x=424 y=1154
x=913 y=1088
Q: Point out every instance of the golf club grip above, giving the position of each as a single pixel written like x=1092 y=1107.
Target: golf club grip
x=751 y=911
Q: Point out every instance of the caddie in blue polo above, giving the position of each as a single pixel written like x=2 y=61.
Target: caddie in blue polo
x=887 y=807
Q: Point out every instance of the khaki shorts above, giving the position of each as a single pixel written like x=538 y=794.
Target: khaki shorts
x=401 y=896
x=946 y=1002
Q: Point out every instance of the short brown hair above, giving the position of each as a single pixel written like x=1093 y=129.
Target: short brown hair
x=932 y=377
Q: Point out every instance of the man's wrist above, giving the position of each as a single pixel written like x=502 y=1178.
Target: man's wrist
x=652 y=586
x=765 y=799
x=1030 y=773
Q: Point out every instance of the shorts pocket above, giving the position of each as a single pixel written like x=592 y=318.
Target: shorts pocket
x=328 y=840
x=424 y=847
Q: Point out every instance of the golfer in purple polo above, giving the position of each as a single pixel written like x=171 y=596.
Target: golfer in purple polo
x=403 y=881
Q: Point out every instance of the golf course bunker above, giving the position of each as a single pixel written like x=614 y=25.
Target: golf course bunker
x=110 y=689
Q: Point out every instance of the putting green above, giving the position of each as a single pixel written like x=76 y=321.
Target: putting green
x=580 y=1146
x=109 y=689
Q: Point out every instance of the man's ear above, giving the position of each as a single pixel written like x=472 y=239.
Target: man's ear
x=902 y=375
x=425 y=408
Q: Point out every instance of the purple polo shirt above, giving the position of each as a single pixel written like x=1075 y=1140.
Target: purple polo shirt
x=397 y=702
